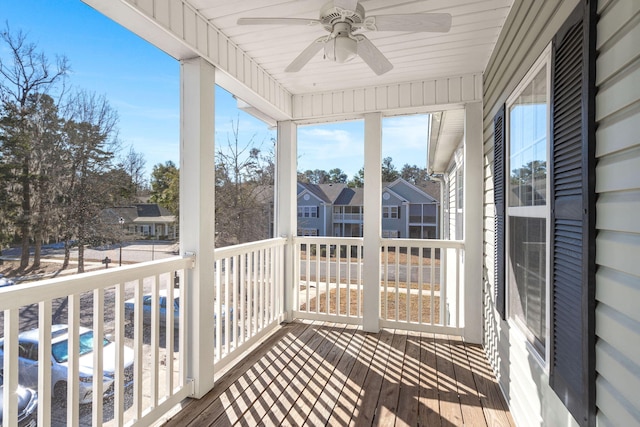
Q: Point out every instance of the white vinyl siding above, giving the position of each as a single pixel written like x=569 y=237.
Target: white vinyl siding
x=528 y=29
x=618 y=188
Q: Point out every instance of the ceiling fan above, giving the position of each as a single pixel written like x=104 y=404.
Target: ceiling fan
x=344 y=20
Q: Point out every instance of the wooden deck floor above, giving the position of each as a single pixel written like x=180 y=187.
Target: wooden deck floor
x=312 y=373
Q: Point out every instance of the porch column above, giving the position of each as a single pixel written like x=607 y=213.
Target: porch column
x=286 y=204
x=372 y=219
x=197 y=86
x=471 y=296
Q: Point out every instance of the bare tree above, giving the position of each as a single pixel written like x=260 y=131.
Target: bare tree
x=25 y=76
x=91 y=138
x=244 y=190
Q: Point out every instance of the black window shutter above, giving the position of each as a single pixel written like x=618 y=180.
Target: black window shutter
x=499 y=180
x=572 y=173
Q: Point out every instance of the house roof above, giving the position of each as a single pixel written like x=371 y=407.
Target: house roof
x=138 y=213
x=341 y=194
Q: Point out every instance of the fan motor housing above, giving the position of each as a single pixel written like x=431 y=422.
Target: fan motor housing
x=330 y=15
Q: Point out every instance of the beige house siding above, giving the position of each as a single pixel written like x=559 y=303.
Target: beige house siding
x=618 y=206
x=526 y=33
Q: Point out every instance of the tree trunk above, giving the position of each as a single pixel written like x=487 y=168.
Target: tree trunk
x=26 y=213
x=67 y=254
x=36 y=251
x=80 y=257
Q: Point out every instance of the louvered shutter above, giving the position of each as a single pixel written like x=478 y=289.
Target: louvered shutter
x=573 y=215
x=499 y=200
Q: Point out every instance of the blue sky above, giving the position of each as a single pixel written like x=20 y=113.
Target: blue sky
x=142 y=84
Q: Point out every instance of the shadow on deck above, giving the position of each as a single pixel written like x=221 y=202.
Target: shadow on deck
x=314 y=373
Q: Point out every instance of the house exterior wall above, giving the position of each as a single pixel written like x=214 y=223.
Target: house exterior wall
x=528 y=30
x=399 y=224
x=453 y=197
x=310 y=222
x=618 y=204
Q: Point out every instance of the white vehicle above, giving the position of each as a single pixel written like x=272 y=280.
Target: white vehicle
x=28 y=362
x=5 y=282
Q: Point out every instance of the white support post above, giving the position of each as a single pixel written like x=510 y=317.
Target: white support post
x=471 y=295
x=286 y=204
x=197 y=177
x=372 y=221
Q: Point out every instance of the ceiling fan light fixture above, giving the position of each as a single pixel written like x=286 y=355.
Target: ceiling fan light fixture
x=341 y=49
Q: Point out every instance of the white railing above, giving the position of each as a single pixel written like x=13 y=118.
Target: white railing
x=143 y=362
x=249 y=294
x=329 y=278
x=420 y=282
x=341 y=217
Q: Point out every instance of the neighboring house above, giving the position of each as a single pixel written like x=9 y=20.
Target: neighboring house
x=145 y=220
x=337 y=210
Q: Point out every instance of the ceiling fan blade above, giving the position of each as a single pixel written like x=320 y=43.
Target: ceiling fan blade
x=346 y=4
x=278 y=21
x=306 y=55
x=372 y=56
x=430 y=22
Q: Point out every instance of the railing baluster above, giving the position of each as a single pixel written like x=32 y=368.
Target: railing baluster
x=432 y=272
x=118 y=401
x=317 y=246
x=169 y=339
x=234 y=305
x=420 y=282
x=45 y=314
x=73 y=391
x=218 y=313
x=138 y=338
x=348 y=281
x=10 y=368
x=98 y=333
x=409 y=282
x=155 y=339
x=359 y=305
x=308 y=277
x=397 y=273
x=243 y=297
x=327 y=278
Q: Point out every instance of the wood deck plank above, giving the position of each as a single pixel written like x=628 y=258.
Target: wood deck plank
x=494 y=406
x=304 y=375
x=264 y=360
x=450 y=410
x=274 y=396
x=348 y=399
x=312 y=373
x=325 y=403
x=472 y=413
x=408 y=400
x=365 y=409
x=319 y=379
x=429 y=407
x=385 y=414
x=194 y=407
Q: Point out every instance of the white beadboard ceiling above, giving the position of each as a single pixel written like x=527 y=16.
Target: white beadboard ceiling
x=415 y=56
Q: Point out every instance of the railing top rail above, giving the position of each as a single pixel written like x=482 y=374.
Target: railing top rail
x=243 y=248
x=328 y=240
x=424 y=243
x=12 y=297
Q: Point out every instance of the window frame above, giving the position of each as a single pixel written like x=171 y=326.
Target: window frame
x=544 y=61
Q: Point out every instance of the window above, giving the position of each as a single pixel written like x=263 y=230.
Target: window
x=527 y=208
x=307 y=211
x=390 y=212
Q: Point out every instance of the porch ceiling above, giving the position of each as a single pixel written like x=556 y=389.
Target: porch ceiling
x=415 y=56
